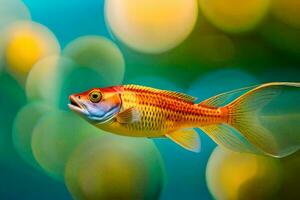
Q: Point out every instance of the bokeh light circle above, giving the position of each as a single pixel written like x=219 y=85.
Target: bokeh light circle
x=235 y=16
x=25 y=44
x=155 y=82
x=282 y=37
x=54 y=138
x=14 y=10
x=151 y=26
x=287 y=11
x=216 y=48
x=24 y=124
x=290 y=166
x=99 y=54
x=54 y=78
x=220 y=81
x=233 y=175
x=45 y=80
x=12 y=98
x=115 y=167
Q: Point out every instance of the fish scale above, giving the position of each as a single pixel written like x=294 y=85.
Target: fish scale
x=161 y=113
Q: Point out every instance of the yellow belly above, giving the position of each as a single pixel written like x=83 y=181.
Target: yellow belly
x=135 y=129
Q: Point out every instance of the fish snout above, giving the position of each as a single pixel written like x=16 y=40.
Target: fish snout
x=76 y=103
x=74 y=96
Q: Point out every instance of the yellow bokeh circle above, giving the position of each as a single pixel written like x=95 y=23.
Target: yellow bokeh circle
x=25 y=44
x=233 y=175
x=10 y=12
x=234 y=16
x=287 y=11
x=151 y=26
x=114 y=167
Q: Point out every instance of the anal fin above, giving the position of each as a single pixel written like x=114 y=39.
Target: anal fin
x=187 y=138
x=226 y=136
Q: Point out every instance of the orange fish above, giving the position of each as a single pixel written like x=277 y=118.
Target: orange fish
x=139 y=111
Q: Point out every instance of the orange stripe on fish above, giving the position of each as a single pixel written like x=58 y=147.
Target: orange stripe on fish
x=141 y=111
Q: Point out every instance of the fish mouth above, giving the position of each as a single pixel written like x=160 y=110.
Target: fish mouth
x=76 y=106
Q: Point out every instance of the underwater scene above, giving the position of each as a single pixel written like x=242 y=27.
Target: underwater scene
x=149 y=99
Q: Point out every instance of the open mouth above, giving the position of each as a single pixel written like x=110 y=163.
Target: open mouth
x=75 y=105
x=73 y=102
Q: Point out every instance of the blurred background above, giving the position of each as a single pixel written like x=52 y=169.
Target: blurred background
x=50 y=49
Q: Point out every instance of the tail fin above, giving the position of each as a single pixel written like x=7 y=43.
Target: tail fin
x=264 y=120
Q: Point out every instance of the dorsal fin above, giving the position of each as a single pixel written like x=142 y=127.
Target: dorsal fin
x=220 y=99
x=178 y=95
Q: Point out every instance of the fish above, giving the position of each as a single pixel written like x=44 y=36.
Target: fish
x=141 y=111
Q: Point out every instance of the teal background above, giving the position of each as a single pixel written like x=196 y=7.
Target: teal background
x=257 y=60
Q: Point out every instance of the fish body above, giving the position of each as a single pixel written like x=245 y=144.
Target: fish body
x=160 y=112
x=140 y=111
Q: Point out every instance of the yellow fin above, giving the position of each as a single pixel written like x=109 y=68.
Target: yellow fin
x=188 y=139
x=228 y=137
x=129 y=115
x=246 y=115
x=182 y=96
x=220 y=99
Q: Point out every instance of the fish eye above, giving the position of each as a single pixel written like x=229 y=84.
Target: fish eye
x=95 y=96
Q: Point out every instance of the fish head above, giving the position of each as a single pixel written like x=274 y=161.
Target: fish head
x=98 y=105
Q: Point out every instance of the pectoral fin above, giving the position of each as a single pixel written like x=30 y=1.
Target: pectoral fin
x=187 y=138
x=129 y=115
